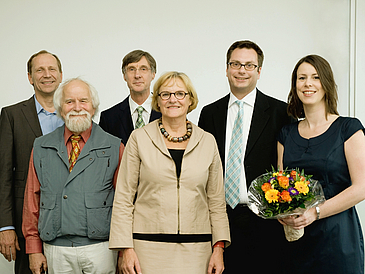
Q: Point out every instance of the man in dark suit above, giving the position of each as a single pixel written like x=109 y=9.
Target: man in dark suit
x=20 y=124
x=139 y=69
x=255 y=242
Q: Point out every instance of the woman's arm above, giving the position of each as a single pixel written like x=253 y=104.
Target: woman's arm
x=355 y=157
x=280 y=148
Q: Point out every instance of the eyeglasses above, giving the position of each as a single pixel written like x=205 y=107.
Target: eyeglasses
x=142 y=69
x=179 y=95
x=238 y=65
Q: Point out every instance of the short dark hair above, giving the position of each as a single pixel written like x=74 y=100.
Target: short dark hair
x=323 y=68
x=135 y=56
x=30 y=61
x=248 y=45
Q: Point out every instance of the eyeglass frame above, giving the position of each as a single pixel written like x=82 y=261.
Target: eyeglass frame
x=174 y=93
x=142 y=69
x=242 y=65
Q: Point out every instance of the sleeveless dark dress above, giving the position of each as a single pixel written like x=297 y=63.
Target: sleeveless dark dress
x=334 y=244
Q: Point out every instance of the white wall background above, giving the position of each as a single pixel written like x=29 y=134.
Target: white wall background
x=91 y=38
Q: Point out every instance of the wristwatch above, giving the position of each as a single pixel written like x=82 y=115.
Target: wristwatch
x=318 y=212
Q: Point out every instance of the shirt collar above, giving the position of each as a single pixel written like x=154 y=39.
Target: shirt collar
x=146 y=104
x=84 y=135
x=249 y=99
x=39 y=107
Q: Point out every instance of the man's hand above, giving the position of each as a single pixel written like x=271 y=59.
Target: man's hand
x=37 y=263
x=9 y=244
x=129 y=262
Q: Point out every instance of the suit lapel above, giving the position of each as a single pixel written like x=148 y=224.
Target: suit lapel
x=220 y=125
x=154 y=115
x=29 y=111
x=258 y=122
x=126 y=124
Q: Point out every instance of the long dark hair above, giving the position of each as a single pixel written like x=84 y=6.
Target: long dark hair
x=323 y=68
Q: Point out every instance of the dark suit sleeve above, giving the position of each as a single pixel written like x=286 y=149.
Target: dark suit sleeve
x=201 y=122
x=6 y=170
x=102 y=123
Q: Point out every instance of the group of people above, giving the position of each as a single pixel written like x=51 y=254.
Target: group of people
x=147 y=191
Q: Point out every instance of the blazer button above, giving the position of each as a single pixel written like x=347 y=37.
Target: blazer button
x=64 y=196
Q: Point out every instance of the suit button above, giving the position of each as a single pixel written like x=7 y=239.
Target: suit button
x=64 y=196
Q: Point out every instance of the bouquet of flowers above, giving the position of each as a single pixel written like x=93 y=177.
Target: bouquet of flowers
x=280 y=194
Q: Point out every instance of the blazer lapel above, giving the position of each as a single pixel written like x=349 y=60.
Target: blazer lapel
x=125 y=117
x=220 y=125
x=154 y=115
x=258 y=122
x=30 y=114
x=153 y=131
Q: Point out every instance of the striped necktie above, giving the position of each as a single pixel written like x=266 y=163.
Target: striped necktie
x=139 y=122
x=234 y=161
x=75 y=151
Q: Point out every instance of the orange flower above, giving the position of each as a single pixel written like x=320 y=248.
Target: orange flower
x=293 y=173
x=272 y=195
x=265 y=187
x=285 y=196
x=283 y=181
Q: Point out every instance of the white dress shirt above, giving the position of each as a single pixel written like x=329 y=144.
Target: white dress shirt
x=248 y=105
x=146 y=112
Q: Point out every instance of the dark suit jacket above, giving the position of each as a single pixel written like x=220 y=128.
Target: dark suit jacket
x=117 y=120
x=19 y=126
x=269 y=116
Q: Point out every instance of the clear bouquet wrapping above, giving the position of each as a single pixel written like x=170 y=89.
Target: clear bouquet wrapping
x=280 y=194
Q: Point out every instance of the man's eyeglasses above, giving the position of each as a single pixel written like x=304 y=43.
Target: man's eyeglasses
x=132 y=70
x=238 y=65
x=179 y=95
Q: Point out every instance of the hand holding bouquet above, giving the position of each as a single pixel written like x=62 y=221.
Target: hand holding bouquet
x=280 y=194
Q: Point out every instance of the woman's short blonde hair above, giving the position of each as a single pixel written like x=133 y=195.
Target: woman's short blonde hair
x=166 y=77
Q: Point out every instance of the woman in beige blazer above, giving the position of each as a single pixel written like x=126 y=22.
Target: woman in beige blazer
x=169 y=213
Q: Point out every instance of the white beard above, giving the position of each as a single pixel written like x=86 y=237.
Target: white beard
x=78 y=123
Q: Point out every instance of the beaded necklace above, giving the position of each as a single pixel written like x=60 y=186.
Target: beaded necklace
x=189 y=131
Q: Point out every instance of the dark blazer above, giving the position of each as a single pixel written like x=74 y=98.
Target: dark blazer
x=19 y=126
x=269 y=116
x=117 y=120
x=247 y=230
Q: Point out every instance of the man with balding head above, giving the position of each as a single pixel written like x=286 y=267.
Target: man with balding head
x=20 y=124
x=70 y=189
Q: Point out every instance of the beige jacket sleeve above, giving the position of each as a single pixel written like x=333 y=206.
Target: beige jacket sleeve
x=121 y=234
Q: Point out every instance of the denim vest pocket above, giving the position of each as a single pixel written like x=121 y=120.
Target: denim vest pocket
x=98 y=213
x=49 y=216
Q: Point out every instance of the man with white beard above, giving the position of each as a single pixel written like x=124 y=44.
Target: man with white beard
x=70 y=189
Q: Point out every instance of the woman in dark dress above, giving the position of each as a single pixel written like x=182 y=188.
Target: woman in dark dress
x=332 y=149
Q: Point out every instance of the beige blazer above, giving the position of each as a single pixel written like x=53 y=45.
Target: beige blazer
x=191 y=204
